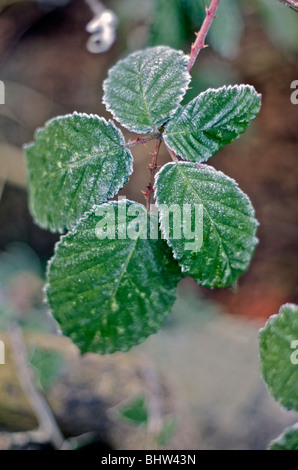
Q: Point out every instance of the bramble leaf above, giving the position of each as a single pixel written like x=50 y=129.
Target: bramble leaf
x=220 y=250
x=278 y=342
x=287 y=441
x=143 y=90
x=211 y=120
x=47 y=366
x=75 y=162
x=109 y=294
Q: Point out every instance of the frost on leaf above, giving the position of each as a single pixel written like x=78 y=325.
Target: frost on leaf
x=144 y=90
x=75 y=162
x=211 y=120
x=278 y=342
x=287 y=441
x=229 y=226
x=110 y=294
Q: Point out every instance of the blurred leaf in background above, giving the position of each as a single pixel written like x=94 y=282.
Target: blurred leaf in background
x=280 y=22
x=135 y=411
x=17 y=258
x=169 y=428
x=169 y=26
x=47 y=365
x=227 y=32
x=174 y=25
x=21 y=283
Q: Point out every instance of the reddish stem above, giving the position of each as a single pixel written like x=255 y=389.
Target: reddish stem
x=201 y=35
x=152 y=168
x=132 y=143
x=291 y=3
x=172 y=154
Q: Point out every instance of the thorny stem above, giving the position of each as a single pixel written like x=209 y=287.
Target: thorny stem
x=291 y=3
x=196 y=47
x=172 y=154
x=132 y=143
x=152 y=168
x=201 y=35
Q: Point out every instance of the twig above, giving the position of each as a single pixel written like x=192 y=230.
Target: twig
x=132 y=143
x=172 y=154
x=201 y=35
x=152 y=168
x=47 y=422
x=291 y=3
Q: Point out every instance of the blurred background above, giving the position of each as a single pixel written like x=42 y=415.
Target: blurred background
x=196 y=384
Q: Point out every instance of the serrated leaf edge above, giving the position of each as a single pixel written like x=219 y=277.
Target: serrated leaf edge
x=136 y=129
x=162 y=228
x=280 y=440
x=182 y=109
x=272 y=320
x=110 y=195
x=51 y=260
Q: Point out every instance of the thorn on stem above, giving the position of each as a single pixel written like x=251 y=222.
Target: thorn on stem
x=153 y=167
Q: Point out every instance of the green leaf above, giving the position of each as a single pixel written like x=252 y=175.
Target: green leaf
x=211 y=120
x=223 y=244
x=287 y=441
x=136 y=411
x=278 y=342
x=47 y=365
x=145 y=89
x=75 y=162
x=168 y=430
x=109 y=294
